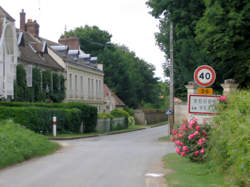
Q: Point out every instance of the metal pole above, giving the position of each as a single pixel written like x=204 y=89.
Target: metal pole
x=171 y=116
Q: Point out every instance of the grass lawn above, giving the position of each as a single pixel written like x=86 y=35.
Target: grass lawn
x=189 y=174
x=165 y=138
x=18 y=144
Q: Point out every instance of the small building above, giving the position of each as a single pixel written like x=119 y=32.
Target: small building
x=8 y=54
x=111 y=100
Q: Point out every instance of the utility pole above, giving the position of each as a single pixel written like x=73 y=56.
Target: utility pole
x=171 y=116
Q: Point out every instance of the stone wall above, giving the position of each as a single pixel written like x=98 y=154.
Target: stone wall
x=106 y=125
x=181 y=112
x=149 y=117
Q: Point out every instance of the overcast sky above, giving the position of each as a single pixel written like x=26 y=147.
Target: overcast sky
x=127 y=20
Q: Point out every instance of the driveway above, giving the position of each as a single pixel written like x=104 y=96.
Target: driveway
x=120 y=160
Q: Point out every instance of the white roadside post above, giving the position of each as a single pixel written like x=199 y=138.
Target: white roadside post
x=54 y=125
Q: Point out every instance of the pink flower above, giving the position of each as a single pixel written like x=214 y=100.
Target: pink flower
x=196 y=133
x=203 y=139
x=180 y=135
x=172 y=139
x=183 y=154
x=184 y=127
x=190 y=137
x=179 y=143
x=177 y=150
x=191 y=123
x=222 y=98
x=185 y=148
x=202 y=151
x=204 y=132
x=200 y=142
x=174 y=132
x=197 y=128
x=196 y=153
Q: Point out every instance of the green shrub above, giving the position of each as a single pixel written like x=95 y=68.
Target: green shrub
x=230 y=139
x=105 y=116
x=119 y=113
x=131 y=121
x=130 y=111
x=39 y=119
x=88 y=113
x=18 y=144
x=191 y=140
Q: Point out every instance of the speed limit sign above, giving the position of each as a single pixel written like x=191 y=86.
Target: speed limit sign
x=204 y=76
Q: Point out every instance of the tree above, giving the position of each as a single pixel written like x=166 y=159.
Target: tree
x=92 y=39
x=187 y=53
x=223 y=32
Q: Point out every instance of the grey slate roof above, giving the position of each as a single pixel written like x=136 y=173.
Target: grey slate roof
x=34 y=52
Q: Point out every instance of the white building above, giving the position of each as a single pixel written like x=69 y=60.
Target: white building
x=8 y=54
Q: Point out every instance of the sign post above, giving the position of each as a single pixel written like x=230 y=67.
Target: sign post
x=54 y=125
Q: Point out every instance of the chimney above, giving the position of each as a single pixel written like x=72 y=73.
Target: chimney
x=22 y=20
x=32 y=27
x=72 y=42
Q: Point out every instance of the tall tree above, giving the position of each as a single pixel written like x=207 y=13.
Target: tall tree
x=92 y=39
x=223 y=32
x=187 y=53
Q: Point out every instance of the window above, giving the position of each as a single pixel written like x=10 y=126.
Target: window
x=76 y=85
x=96 y=91
x=81 y=85
x=70 y=82
x=92 y=87
x=88 y=87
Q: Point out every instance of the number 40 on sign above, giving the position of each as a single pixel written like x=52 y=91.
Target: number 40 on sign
x=204 y=76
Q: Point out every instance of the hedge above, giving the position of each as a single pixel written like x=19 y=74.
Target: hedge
x=88 y=114
x=230 y=139
x=39 y=119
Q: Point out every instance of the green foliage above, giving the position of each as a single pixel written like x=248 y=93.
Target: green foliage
x=205 y=32
x=46 y=83
x=41 y=86
x=187 y=52
x=130 y=111
x=230 y=139
x=191 y=140
x=105 y=116
x=119 y=113
x=88 y=114
x=92 y=39
x=39 y=119
x=223 y=32
x=20 y=83
x=18 y=144
x=131 y=121
x=36 y=84
x=58 y=91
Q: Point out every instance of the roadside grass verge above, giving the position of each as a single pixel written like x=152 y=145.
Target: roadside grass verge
x=185 y=173
x=129 y=129
x=18 y=144
x=165 y=138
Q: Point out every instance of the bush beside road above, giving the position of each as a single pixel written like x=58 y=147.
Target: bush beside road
x=18 y=144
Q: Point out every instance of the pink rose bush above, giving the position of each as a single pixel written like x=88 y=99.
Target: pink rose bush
x=191 y=140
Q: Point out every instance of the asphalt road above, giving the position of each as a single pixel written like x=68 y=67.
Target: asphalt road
x=120 y=160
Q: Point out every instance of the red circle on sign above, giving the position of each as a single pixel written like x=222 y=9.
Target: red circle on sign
x=209 y=70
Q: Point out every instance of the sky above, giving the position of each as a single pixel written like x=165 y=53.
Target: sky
x=128 y=21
